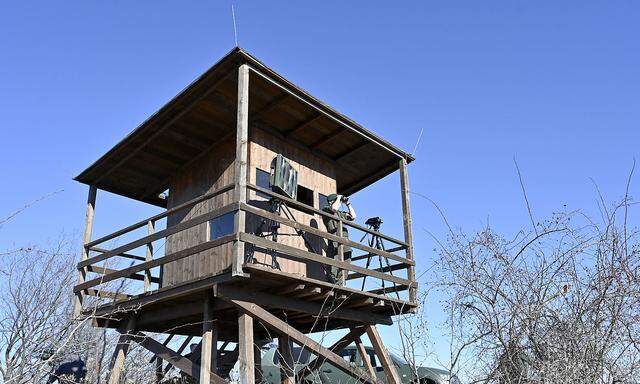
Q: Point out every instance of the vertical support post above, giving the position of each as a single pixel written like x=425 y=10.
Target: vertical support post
x=382 y=353
x=407 y=222
x=242 y=155
x=245 y=349
x=341 y=275
x=88 y=229
x=209 y=350
x=149 y=257
x=366 y=360
x=159 y=373
x=120 y=353
x=285 y=349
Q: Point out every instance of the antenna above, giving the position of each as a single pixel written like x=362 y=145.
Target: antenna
x=415 y=148
x=235 y=28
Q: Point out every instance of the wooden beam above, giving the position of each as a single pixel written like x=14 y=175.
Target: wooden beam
x=272 y=105
x=174 y=358
x=245 y=349
x=149 y=256
x=342 y=121
x=187 y=140
x=155 y=262
x=183 y=346
x=389 y=268
x=285 y=350
x=348 y=152
x=165 y=343
x=160 y=234
x=366 y=360
x=120 y=353
x=107 y=294
x=407 y=224
x=382 y=353
x=302 y=125
x=88 y=229
x=125 y=255
x=106 y=271
x=337 y=347
x=306 y=255
x=164 y=126
x=155 y=187
x=351 y=224
x=349 y=292
x=282 y=328
x=392 y=289
x=323 y=234
x=241 y=163
x=228 y=292
x=208 y=354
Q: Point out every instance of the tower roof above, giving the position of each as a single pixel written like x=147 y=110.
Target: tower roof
x=204 y=113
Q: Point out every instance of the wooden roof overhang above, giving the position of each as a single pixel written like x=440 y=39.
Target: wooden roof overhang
x=204 y=114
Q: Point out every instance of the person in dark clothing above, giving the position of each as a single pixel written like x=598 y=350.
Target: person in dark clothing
x=76 y=368
x=334 y=205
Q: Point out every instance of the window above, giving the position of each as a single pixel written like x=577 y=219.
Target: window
x=221 y=226
x=305 y=195
x=262 y=181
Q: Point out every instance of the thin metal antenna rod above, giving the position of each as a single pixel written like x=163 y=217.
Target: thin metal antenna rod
x=415 y=148
x=235 y=28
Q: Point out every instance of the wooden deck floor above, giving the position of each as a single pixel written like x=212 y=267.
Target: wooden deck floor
x=309 y=305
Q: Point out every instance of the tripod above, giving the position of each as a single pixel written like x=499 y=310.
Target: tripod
x=375 y=241
x=281 y=209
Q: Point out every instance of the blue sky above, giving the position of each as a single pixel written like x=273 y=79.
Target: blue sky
x=555 y=84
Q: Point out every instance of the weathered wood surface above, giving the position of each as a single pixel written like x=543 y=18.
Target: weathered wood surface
x=245 y=349
x=320 y=309
x=282 y=328
x=381 y=351
x=241 y=164
x=407 y=225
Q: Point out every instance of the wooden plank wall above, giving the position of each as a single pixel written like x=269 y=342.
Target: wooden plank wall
x=216 y=169
x=313 y=172
x=211 y=172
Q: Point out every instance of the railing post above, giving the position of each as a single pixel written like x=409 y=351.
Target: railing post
x=407 y=222
x=341 y=275
x=88 y=228
x=240 y=192
x=149 y=256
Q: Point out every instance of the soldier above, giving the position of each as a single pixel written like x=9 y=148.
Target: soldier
x=334 y=203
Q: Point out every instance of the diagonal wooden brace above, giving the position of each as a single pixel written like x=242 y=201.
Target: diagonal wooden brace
x=283 y=328
x=173 y=358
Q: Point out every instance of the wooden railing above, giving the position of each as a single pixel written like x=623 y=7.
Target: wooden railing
x=141 y=271
x=349 y=268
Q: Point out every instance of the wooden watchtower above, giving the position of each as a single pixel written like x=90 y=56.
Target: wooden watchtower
x=219 y=266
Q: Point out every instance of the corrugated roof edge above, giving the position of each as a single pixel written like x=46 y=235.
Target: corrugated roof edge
x=276 y=77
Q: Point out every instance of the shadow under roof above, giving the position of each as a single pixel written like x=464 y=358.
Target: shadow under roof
x=198 y=118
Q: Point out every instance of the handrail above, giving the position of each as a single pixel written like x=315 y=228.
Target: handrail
x=161 y=215
x=155 y=262
x=160 y=234
x=306 y=255
x=325 y=214
x=323 y=234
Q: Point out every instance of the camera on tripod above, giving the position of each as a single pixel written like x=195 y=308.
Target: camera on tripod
x=374 y=222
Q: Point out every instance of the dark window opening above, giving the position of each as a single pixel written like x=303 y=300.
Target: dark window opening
x=221 y=226
x=305 y=195
x=262 y=181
